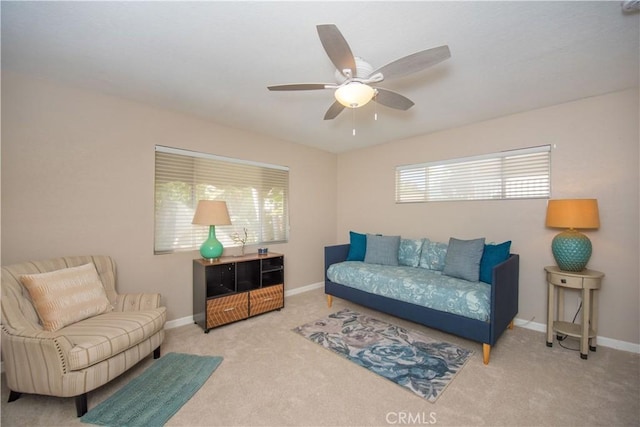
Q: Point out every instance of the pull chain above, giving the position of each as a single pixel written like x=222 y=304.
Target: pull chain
x=353 y=120
x=375 y=107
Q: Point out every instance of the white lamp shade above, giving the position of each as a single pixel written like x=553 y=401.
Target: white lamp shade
x=211 y=212
x=354 y=94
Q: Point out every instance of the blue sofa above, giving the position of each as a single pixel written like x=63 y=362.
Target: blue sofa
x=503 y=303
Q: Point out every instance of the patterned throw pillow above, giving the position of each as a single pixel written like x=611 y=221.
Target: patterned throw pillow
x=463 y=259
x=66 y=296
x=382 y=249
x=410 y=251
x=433 y=255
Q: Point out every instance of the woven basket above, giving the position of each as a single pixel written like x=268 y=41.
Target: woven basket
x=266 y=299
x=227 y=309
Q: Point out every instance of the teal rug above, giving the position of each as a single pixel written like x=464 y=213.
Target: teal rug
x=408 y=358
x=157 y=394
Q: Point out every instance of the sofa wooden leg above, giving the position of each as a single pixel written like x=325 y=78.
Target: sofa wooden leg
x=81 y=404
x=486 y=349
x=329 y=300
x=511 y=324
x=14 y=395
x=156 y=353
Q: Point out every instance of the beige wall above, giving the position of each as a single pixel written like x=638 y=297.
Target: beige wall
x=77 y=178
x=595 y=155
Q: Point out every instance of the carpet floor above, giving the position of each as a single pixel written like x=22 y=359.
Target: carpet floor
x=269 y=379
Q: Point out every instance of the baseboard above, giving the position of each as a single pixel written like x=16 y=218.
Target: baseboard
x=170 y=324
x=302 y=289
x=603 y=341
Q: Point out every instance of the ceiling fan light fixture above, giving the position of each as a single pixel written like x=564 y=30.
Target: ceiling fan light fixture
x=354 y=94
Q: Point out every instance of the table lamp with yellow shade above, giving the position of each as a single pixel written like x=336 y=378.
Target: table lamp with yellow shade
x=572 y=249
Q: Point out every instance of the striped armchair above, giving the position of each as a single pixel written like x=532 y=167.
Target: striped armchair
x=81 y=356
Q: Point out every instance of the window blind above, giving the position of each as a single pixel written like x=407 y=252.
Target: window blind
x=515 y=174
x=256 y=195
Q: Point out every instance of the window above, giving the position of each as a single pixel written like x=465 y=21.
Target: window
x=516 y=174
x=256 y=195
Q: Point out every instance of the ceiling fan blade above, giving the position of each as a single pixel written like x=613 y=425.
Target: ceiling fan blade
x=300 y=86
x=393 y=99
x=333 y=111
x=414 y=62
x=337 y=48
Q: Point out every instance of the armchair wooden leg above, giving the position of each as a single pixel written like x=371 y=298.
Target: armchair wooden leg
x=486 y=349
x=81 y=404
x=156 y=353
x=14 y=395
x=511 y=324
x=329 y=300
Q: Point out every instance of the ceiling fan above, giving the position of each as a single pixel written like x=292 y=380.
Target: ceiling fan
x=355 y=77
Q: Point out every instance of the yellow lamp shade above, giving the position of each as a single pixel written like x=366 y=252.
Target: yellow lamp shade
x=573 y=213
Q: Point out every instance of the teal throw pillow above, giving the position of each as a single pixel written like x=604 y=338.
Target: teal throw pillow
x=357 y=247
x=433 y=255
x=492 y=256
x=463 y=259
x=410 y=250
x=382 y=249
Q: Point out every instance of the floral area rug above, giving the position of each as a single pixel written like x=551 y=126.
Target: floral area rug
x=408 y=358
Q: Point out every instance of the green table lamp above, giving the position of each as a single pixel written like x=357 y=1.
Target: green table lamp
x=572 y=249
x=211 y=213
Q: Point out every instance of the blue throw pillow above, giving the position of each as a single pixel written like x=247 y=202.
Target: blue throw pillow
x=492 y=256
x=463 y=259
x=410 y=251
x=382 y=249
x=357 y=247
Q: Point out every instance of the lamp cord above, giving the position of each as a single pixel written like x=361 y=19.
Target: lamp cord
x=564 y=337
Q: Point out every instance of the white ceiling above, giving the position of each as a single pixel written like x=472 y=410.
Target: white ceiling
x=215 y=59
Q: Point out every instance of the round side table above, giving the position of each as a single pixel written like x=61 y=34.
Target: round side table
x=588 y=281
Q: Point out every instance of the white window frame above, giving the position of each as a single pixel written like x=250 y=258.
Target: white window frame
x=514 y=174
x=257 y=197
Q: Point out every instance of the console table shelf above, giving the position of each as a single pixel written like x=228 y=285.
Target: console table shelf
x=229 y=289
x=571 y=329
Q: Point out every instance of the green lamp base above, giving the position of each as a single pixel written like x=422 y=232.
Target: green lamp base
x=571 y=250
x=211 y=248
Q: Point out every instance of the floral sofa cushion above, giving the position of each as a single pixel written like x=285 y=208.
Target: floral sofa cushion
x=419 y=286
